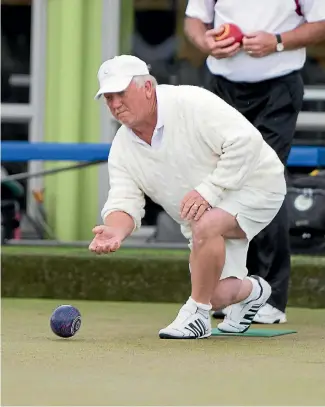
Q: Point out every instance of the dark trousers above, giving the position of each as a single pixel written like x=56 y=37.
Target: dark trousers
x=272 y=106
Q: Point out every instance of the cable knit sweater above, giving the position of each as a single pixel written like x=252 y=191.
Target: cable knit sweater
x=206 y=145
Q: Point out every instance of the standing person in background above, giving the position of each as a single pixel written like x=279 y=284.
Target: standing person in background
x=261 y=79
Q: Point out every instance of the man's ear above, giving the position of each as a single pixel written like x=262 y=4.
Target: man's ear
x=149 y=89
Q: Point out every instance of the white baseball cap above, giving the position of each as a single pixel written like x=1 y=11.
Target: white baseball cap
x=115 y=75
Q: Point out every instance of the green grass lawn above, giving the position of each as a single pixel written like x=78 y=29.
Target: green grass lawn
x=117 y=359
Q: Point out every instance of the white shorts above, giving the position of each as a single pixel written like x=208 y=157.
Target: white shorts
x=254 y=210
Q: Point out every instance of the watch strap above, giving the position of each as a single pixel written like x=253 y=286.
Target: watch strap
x=278 y=38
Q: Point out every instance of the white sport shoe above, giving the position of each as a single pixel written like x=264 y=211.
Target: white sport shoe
x=270 y=315
x=240 y=316
x=191 y=322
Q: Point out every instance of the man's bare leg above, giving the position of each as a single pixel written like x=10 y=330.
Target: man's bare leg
x=231 y=291
x=207 y=264
x=206 y=261
x=208 y=254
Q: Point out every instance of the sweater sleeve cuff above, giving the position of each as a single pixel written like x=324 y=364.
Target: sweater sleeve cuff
x=210 y=193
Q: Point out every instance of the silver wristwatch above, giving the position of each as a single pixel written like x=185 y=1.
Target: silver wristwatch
x=279 y=45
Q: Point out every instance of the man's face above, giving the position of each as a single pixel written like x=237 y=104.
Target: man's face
x=131 y=106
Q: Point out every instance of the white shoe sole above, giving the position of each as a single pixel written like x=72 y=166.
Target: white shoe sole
x=281 y=319
x=168 y=336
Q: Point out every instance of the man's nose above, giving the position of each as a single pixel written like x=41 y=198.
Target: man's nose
x=115 y=101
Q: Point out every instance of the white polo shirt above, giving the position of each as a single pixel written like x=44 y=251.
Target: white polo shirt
x=275 y=16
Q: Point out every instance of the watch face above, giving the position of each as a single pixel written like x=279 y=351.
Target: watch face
x=280 y=47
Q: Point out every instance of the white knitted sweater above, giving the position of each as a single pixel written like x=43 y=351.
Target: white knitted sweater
x=206 y=145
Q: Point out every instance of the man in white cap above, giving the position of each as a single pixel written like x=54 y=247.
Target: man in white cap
x=210 y=170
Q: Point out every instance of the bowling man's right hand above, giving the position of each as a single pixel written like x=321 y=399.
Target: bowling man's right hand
x=107 y=239
x=223 y=48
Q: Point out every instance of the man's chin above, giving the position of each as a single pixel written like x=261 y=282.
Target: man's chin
x=125 y=122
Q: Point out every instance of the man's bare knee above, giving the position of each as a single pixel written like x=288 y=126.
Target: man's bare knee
x=205 y=229
x=214 y=223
